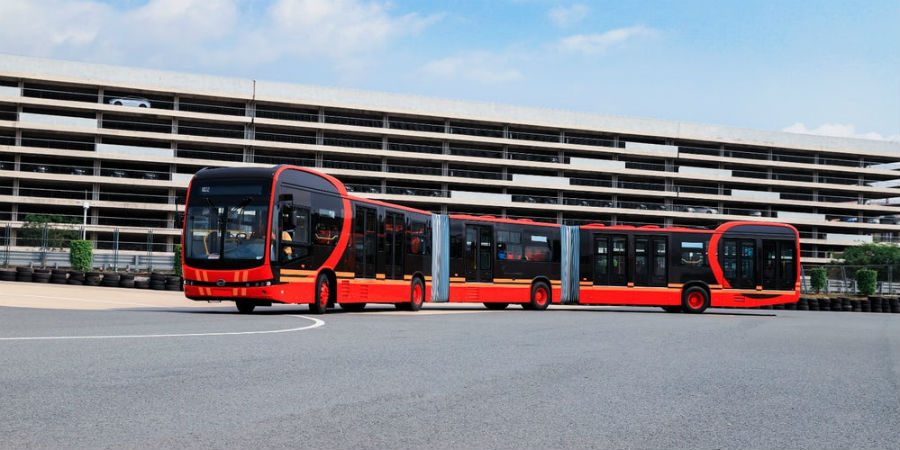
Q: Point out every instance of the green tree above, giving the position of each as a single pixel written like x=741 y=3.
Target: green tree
x=58 y=233
x=866 y=282
x=177 y=263
x=871 y=255
x=818 y=278
x=81 y=254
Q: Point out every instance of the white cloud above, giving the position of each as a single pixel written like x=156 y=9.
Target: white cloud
x=564 y=17
x=838 y=130
x=204 y=32
x=591 y=44
x=339 y=27
x=478 y=66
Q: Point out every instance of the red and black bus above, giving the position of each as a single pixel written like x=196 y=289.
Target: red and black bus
x=286 y=234
x=292 y=235
x=739 y=264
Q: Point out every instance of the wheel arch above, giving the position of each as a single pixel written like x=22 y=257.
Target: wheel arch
x=332 y=278
x=542 y=279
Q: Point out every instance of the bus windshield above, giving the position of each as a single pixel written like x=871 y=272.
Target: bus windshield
x=226 y=221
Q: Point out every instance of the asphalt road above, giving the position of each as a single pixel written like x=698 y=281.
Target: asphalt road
x=449 y=379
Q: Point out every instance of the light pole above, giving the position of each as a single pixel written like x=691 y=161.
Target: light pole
x=84 y=220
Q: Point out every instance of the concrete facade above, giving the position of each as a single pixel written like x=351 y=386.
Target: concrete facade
x=63 y=141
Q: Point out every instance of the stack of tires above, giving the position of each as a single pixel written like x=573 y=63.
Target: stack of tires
x=173 y=283
x=24 y=274
x=40 y=275
x=876 y=303
x=836 y=304
x=92 y=278
x=142 y=284
x=7 y=275
x=856 y=305
x=803 y=304
x=126 y=280
x=58 y=276
x=157 y=281
x=894 y=302
x=110 y=279
x=813 y=303
x=76 y=277
x=866 y=306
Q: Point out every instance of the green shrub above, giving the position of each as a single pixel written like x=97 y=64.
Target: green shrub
x=176 y=265
x=81 y=254
x=818 y=278
x=866 y=281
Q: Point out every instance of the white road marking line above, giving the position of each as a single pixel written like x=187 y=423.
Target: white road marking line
x=316 y=324
x=83 y=300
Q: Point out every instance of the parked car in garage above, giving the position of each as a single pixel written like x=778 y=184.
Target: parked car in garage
x=139 y=102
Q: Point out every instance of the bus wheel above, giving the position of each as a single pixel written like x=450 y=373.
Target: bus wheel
x=671 y=309
x=353 y=307
x=496 y=305
x=540 y=297
x=245 y=306
x=694 y=300
x=323 y=293
x=416 y=295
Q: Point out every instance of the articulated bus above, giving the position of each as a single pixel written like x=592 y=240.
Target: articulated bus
x=287 y=234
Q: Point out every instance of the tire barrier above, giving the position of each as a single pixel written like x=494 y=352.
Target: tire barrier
x=174 y=283
x=58 y=276
x=40 y=276
x=24 y=274
x=165 y=282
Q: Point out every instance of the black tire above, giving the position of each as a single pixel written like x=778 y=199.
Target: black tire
x=496 y=306
x=23 y=277
x=353 y=307
x=7 y=275
x=324 y=292
x=157 y=286
x=126 y=284
x=245 y=306
x=75 y=282
x=142 y=284
x=671 y=309
x=173 y=287
x=92 y=282
x=40 y=277
x=126 y=276
x=118 y=103
x=156 y=276
x=541 y=297
x=694 y=300
x=27 y=270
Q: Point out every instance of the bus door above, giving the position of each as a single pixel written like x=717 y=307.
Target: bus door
x=739 y=263
x=364 y=234
x=393 y=246
x=610 y=260
x=479 y=253
x=650 y=261
x=778 y=270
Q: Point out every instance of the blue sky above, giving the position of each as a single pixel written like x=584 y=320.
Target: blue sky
x=824 y=67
